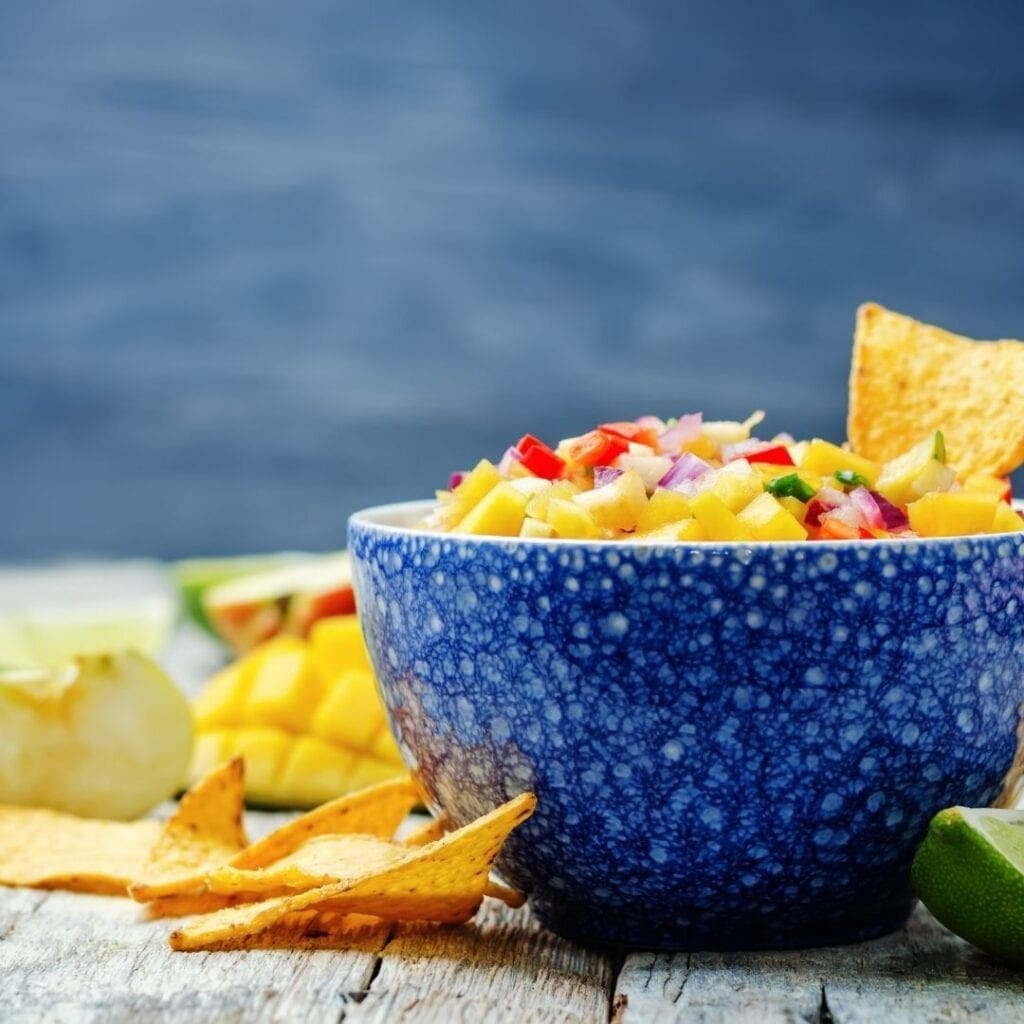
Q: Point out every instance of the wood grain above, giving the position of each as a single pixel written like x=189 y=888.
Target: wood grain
x=922 y=973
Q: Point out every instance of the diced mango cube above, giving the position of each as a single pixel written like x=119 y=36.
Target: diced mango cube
x=825 y=459
x=222 y=701
x=285 y=688
x=209 y=750
x=1006 y=520
x=368 y=770
x=663 y=507
x=385 y=747
x=499 y=513
x=767 y=519
x=537 y=507
x=715 y=519
x=315 y=771
x=571 y=520
x=684 y=529
x=916 y=472
x=477 y=483
x=536 y=528
x=952 y=513
x=264 y=750
x=795 y=507
x=336 y=644
x=996 y=485
x=616 y=506
x=351 y=713
x=736 y=489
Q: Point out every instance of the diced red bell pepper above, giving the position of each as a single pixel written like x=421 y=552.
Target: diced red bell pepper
x=816 y=508
x=836 y=529
x=597 y=448
x=539 y=459
x=777 y=455
x=630 y=431
x=1007 y=494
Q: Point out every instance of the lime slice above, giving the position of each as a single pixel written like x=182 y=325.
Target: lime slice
x=969 y=872
x=51 y=614
x=195 y=576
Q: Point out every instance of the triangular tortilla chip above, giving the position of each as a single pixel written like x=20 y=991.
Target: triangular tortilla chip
x=204 y=832
x=313 y=929
x=432 y=830
x=909 y=379
x=45 y=849
x=320 y=861
x=377 y=811
x=443 y=881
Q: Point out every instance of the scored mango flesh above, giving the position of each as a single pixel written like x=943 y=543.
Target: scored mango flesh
x=305 y=715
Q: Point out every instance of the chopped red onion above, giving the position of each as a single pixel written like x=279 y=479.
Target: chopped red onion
x=686 y=429
x=848 y=514
x=605 y=475
x=864 y=502
x=509 y=459
x=685 y=470
x=652 y=423
x=744 y=449
x=651 y=468
x=893 y=518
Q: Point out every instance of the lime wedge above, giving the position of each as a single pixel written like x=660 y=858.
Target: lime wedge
x=195 y=576
x=969 y=872
x=50 y=614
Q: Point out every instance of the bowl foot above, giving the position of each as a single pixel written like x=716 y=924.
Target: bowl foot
x=703 y=930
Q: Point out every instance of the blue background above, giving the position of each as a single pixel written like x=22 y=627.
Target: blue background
x=264 y=263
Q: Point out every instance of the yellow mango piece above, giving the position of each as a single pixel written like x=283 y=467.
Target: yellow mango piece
x=662 y=508
x=537 y=506
x=952 y=514
x=989 y=484
x=351 y=713
x=916 y=472
x=616 y=506
x=476 y=484
x=1006 y=520
x=315 y=771
x=795 y=507
x=385 y=747
x=715 y=519
x=767 y=519
x=571 y=520
x=703 y=447
x=825 y=459
x=685 y=529
x=736 y=490
x=222 y=700
x=265 y=751
x=499 y=513
x=368 y=771
x=335 y=645
x=210 y=749
x=536 y=528
x=285 y=689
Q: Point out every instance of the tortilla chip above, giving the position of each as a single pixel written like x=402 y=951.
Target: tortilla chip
x=909 y=379
x=443 y=881
x=376 y=811
x=434 y=829
x=204 y=832
x=320 y=861
x=189 y=903
x=45 y=849
x=313 y=929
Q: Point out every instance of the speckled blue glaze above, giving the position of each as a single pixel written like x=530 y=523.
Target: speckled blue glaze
x=733 y=746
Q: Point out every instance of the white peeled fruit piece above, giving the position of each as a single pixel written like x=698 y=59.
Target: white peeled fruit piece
x=102 y=736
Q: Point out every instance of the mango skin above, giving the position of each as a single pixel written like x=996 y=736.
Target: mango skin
x=305 y=715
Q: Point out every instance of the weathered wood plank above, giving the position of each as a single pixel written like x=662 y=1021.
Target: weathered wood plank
x=922 y=973
x=71 y=957
x=500 y=967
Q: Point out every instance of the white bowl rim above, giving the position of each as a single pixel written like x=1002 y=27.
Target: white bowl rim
x=377 y=517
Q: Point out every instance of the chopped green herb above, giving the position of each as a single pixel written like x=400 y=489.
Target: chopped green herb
x=940 y=447
x=848 y=478
x=790 y=486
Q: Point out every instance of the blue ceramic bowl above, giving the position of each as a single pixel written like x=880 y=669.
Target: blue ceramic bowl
x=732 y=745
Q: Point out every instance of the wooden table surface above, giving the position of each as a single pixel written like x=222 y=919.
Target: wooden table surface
x=73 y=957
